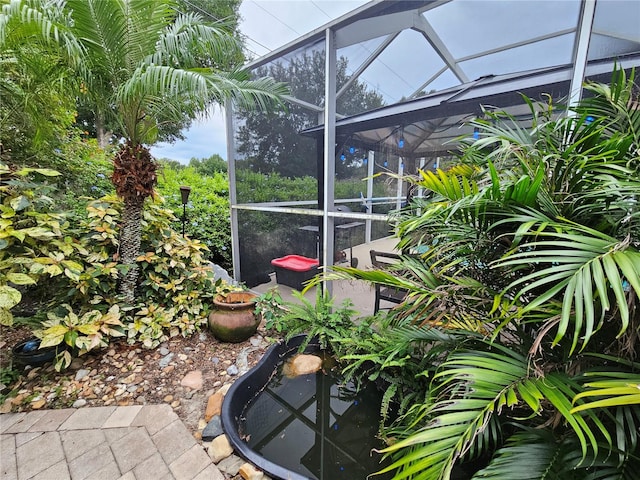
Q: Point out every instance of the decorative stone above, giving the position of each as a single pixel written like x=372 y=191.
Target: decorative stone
x=76 y=363
x=231 y=465
x=232 y=370
x=164 y=351
x=213 y=429
x=224 y=389
x=249 y=472
x=220 y=448
x=38 y=404
x=214 y=406
x=302 y=364
x=192 y=380
x=82 y=373
x=164 y=361
x=81 y=402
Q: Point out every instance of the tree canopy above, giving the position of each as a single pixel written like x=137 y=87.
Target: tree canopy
x=271 y=141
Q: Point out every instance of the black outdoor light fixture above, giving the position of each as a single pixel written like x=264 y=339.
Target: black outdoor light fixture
x=184 y=193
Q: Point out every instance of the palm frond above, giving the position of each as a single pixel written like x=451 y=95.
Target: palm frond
x=527 y=455
x=619 y=390
x=474 y=387
x=584 y=265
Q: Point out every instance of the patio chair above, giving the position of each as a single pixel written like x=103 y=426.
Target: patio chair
x=382 y=261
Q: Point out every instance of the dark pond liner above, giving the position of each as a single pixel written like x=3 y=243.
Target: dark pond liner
x=28 y=352
x=244 y=390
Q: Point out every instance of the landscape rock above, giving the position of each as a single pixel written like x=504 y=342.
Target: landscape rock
x=80 y=374
x=249 y=472
x=232 y=370
x=213 y=429
x=302 y=364
x=164 y=361
x=76 y=363
x=192 y=380
x=81 y=402
x=220 y=448
x=231 y=465
x=214 y=406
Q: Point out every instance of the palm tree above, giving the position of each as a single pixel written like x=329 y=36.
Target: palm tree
x=140 y=62
x=533 y=272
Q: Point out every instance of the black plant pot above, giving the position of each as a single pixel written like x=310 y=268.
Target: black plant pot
x=28 y=352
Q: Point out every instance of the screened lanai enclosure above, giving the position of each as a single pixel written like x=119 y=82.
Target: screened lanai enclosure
x=389 y=89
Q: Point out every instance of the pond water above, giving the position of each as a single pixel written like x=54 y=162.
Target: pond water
x=316 y=425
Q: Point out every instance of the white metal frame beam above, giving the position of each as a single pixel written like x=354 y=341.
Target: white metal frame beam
x=329 y=154
x=424 y=27
x=581 y=50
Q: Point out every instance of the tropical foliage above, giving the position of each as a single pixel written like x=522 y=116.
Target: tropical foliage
x=141 y=66
x=515 y=355
x=34 y=242
x=65 y=273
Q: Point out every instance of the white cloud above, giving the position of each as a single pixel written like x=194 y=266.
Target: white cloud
x=203 y=139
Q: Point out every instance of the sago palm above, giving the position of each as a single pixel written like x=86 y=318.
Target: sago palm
x=140 y=64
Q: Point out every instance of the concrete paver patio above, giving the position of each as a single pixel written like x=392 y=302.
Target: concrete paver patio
x=127 y=443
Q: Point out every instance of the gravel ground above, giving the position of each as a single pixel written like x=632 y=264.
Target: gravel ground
x=125 y=374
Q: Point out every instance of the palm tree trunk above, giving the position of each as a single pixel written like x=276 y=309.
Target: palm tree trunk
x=130 y=234
x=101 y=132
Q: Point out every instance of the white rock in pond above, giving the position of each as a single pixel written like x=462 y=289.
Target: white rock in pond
x=302 y=364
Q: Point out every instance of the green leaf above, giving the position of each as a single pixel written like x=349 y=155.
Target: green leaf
x=6 y=317
x=9 y=296
x=19 y=203
x=53 y=336
x=20 y=279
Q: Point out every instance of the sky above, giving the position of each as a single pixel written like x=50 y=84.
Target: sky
x=267 y=25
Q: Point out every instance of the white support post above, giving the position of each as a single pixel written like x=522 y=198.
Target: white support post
x=329 y=160
x=370 y=165
x=233 y=198
x=399 y=189
x=581 y=50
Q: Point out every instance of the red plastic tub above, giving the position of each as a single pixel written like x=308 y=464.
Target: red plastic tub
x=294 y=270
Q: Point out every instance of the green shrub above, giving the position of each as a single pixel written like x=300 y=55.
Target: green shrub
x=208 y=218
x=34 y=242
x=175 y=286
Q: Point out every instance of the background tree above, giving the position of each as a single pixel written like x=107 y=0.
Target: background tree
x=209 y=166
x=37 y=87
x=271 y=142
